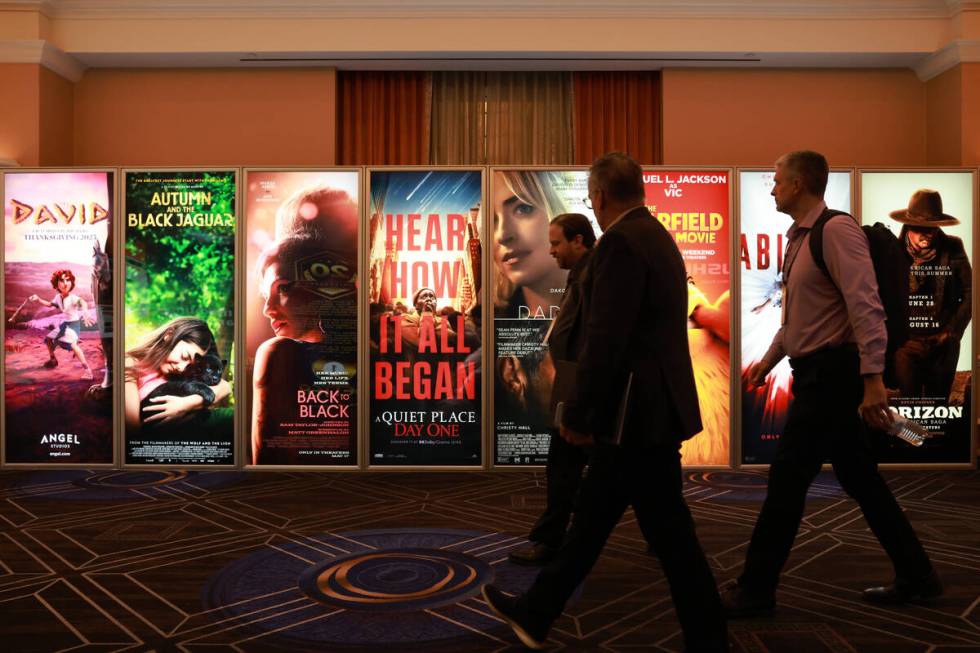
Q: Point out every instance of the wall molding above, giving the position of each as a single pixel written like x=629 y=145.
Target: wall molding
x=955 y=53
x=43 y=53
x=230 y=9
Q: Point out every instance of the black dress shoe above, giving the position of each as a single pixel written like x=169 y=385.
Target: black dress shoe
x=505 y=607
x=535 y=555
x=905 y=591
x=740 y=603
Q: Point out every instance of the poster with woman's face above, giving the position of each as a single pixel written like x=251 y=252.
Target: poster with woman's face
x=424 y=317
x=762 y=243
x=58 y=317
x=694 y=206
x=179 y=316
x=929 y=373
x=529 y=284
x=301 y=317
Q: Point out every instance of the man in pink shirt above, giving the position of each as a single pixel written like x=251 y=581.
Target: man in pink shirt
x=833 y=330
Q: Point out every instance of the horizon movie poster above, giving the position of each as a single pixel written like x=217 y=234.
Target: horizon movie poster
x=58 y=317
x=761 y=246
x=528 y=288
x=301 y=317
x=180 y=324
x=425 y=312
x=694 y=206
x=929 y=375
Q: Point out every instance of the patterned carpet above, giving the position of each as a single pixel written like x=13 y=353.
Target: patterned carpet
x=220 y=561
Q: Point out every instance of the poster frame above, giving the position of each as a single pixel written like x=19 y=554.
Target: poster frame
x=246 y=392
x=364 y=358
x=737 y=381
x=490 y=269
x=734 y=340
x=116 y=337
x=120 y=366
x=972 y=420
x=732 y=259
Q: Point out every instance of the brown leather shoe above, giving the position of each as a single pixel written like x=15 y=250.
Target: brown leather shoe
x=905 y=591
x=537 y=554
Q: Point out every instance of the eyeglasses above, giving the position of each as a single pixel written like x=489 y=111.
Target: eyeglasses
x=588 y=199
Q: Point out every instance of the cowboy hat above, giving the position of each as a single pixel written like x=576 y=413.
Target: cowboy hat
x=925 y=210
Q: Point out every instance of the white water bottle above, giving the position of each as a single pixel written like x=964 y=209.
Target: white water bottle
x=907 y=429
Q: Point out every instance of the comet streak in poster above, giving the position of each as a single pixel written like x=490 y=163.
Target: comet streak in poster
x=424 y=266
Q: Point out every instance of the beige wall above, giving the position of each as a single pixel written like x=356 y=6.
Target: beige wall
x=206 y=117
x=971 y=114
x=944 y=129
x=739 y=117
x=288 y=116
x=56 y=109
x=19 y=113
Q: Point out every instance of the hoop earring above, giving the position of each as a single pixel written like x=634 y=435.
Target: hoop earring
x=319 y=324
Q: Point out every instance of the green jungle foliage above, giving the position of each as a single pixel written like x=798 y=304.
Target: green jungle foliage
x=180 y=271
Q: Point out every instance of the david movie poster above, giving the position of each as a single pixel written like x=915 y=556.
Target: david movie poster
x=694 y=206
x=179 y=319
x=762 y=244
x=424 y=317
x=528 y=287
x=58 y=317
x=301 y=317
x=929 y=374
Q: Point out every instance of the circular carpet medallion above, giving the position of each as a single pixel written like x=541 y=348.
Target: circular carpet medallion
x=409 y=589
x=396 y=579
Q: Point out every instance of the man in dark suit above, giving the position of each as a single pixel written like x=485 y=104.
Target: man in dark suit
x=571 y=238
x=635 y=308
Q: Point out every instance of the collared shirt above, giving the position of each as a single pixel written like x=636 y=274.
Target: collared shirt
x=816 y=315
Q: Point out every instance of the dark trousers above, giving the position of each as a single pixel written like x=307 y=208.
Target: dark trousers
x=650 y=480
x=823 y=422
x=564 y=476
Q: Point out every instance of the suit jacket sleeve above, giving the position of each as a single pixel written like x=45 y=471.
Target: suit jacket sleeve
x=618 y=284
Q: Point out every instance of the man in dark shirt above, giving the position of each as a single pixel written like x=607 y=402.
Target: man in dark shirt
x=572 y=238
x=833 y=331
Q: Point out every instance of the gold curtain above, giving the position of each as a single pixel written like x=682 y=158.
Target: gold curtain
x=499 y=118
x=529 y=118
x=458 y=118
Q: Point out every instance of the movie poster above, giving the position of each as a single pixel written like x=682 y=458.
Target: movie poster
x=58 y=326
x=929 y=375
x=301 y=317
x=761 y=246
x=694 y=206
x=425 y=312
x=180 y=326
x=528 y=288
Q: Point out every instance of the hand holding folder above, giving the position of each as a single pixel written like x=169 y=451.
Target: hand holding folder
x=562 y=391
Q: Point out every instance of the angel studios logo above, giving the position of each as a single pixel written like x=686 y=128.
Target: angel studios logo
x=60 y=444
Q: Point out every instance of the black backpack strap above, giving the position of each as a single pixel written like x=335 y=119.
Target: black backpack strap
x=816 y=237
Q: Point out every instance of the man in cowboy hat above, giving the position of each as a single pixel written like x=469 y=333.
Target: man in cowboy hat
x=940 y=283
x=833 y=330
